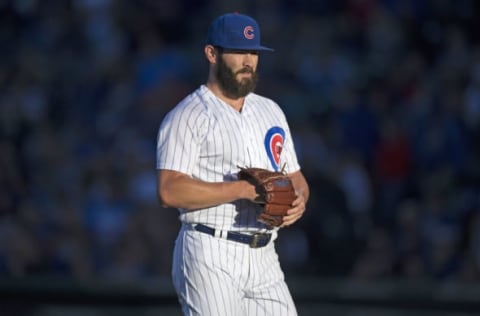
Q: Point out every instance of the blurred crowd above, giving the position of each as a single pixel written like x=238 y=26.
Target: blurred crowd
x=383 y=98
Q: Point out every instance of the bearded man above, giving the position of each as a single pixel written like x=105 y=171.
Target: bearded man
x=224 y=261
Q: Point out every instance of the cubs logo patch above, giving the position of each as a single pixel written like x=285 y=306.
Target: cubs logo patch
x=248 y=32
x=274 y=140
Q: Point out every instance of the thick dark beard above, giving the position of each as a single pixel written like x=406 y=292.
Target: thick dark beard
x=229 y=84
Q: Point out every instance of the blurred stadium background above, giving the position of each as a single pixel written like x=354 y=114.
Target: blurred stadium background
x=383 y=98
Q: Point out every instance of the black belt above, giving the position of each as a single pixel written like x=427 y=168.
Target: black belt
x=256 y=240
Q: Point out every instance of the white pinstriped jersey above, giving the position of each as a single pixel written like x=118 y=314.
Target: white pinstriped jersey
x=207 y=139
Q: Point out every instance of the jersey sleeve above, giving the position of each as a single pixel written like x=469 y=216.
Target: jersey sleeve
x=178 y=141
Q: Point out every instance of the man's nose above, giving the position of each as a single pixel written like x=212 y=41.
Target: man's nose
x=248 y=59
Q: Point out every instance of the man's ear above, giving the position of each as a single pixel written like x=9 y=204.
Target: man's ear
x=211 y=54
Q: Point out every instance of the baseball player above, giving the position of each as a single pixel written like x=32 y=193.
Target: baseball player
x=224 y=261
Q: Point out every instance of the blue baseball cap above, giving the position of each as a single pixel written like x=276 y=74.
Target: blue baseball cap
x=235 y=31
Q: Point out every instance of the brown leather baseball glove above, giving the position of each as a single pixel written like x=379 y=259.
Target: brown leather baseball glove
x=275 y=192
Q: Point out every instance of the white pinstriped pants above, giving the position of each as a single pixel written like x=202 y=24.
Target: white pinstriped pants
x=214 y=276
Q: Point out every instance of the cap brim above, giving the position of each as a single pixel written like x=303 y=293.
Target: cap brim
x=252 y=48
x=267 y=49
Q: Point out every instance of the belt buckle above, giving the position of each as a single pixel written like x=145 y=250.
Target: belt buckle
x=255 y=240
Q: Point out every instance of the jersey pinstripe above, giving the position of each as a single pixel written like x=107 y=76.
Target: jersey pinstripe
x=207 y=139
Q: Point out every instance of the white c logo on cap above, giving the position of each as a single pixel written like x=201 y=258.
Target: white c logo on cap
x=248 y=32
